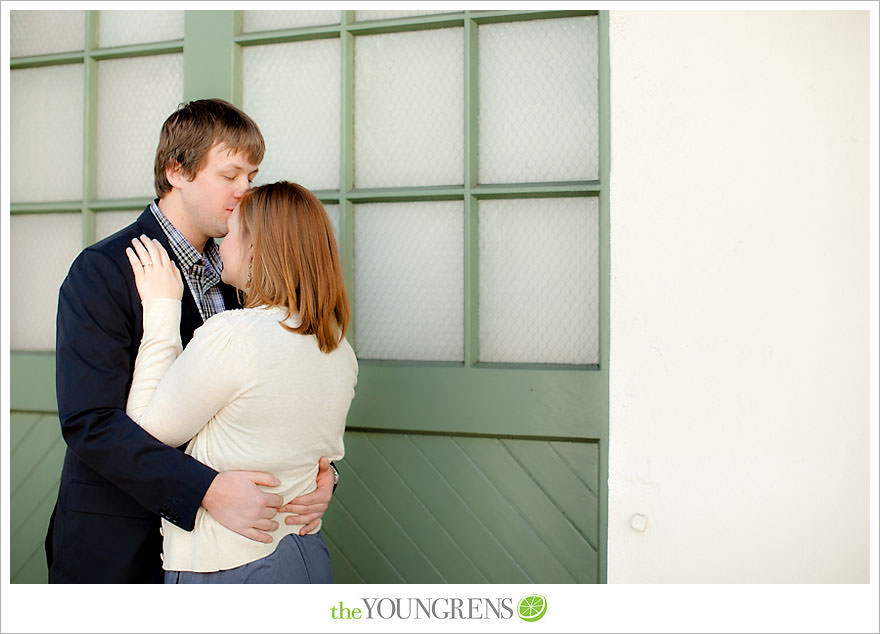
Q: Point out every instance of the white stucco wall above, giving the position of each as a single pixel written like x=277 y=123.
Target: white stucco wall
x=739 y=296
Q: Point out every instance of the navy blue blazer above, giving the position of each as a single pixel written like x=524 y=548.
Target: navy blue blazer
x=117 y=480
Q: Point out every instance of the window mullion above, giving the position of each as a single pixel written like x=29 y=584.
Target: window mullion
x=209 y=55
x=471 y=224
x=346 y=166
x=90 y=125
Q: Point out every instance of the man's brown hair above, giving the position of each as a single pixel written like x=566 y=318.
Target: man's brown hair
x=296 y=260
x=189 y=134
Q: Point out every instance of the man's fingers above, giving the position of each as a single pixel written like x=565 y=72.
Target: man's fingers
x=298 y=506
x=302 y=509
x=263 y=478
x=257 y=536
x=318 y=497
x=268 y=512
x=302 y=518
x=266 y=525
x=272 y=499
x=315 y=497
x=309 y=528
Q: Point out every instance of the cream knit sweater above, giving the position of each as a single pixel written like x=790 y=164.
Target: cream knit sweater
x=252 y=396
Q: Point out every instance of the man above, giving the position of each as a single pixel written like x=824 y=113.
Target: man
x=117 y=480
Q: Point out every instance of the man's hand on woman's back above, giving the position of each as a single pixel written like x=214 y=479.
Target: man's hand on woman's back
x=235 y=500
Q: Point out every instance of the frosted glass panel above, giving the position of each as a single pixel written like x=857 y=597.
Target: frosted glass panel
x=539 y=280
x=135 y=96
x=361 y=16
x=409 y=281
x=274 y=20
x=109 y=222
x=42 y=246
x=409 y=123
x=538 y=92
x=42 y=32
x=116 y=28
x=46 y=133
x=333 y=214
x=292 y=91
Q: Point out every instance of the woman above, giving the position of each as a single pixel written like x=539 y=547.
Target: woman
x=282 y=377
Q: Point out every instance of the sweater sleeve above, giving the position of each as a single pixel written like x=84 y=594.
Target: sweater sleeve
x=173 y=394
x=160 y=346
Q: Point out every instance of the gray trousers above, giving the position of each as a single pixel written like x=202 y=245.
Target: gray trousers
x=297 y=559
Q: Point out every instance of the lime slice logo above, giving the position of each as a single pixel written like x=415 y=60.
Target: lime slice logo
x=532 y=607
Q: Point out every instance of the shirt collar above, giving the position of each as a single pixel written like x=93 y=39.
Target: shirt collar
x=187 y=255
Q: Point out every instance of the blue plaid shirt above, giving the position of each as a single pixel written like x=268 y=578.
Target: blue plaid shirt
x=200 y=270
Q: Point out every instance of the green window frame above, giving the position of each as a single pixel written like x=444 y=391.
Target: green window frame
x=209 y=49
x=212 y=48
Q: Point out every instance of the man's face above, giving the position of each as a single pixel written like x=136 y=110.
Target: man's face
x=209 y=198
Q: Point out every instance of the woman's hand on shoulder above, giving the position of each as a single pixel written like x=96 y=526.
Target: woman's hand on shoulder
x=155 y=275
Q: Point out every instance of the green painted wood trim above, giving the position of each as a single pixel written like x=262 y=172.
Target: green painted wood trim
x=346 y=255
x=280 y=36
x=236 y=79
x=32 y=388
x=491 y=17
x=459 y=192
x=90 y=129
x=409 y=24
x=471 y=304
x=471 y=223
x=429 y=432
x=396 y=25
x=402 y=194
x=482 y=400
x=346 y=170
x=88 y=231
x=32 y=381
x=55 y=59
x=604 y=276
x=60 y=207
x=510 y=365
x=537 y=190
x=72 y=206
x=90 y=42
x=138 y=50
x=209 y=55
x=117 y=204
x=327 y=196
x=346 y=109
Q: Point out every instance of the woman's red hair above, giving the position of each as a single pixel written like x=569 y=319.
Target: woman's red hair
x=296 y=261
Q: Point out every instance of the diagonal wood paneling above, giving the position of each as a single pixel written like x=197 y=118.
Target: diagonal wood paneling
x=436 y=542
x=411 y=508
x=36 y=457
x=565 y=483
x=23 y=426
x=417 y=508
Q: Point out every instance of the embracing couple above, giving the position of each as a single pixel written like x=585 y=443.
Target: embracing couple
x=201 y=384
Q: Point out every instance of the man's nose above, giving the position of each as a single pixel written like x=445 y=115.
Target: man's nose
x=241 y=186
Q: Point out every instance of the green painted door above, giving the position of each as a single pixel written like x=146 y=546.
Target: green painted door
x=462 y=158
